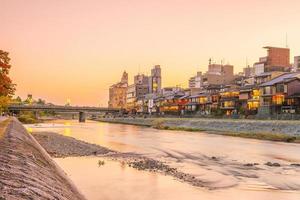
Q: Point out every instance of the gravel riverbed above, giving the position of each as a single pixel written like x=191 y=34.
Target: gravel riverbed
x=59 y=146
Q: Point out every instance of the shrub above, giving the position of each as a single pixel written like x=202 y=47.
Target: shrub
x=27 y=119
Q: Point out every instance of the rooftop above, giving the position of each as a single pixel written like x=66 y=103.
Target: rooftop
x=281 y=78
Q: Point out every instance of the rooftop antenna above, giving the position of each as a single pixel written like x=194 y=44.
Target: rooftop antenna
x=286 y=40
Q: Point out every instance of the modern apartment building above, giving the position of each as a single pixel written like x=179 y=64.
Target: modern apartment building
x=277 y=59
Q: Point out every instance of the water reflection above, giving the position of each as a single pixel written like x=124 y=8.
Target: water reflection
x=67 y=132
x=193 y=153
x=115 y=181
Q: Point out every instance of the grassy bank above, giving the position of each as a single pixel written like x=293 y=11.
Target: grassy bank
x=261 y=136
x=266 y=130
x=28 y=118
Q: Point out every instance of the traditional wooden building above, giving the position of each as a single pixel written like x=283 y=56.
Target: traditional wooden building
x=281 y=94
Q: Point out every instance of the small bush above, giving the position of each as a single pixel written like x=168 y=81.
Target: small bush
x=27 y=119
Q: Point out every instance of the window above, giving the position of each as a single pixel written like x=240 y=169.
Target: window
x=280 y=88
x=285 y=88
x=227 y=104
x=278 y=99
x=253 y=105
x=267 y=90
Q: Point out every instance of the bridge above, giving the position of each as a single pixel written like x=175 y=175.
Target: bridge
x=82 y=110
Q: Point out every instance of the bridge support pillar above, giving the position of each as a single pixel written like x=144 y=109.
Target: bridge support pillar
x=36 y=114
x=81 y=116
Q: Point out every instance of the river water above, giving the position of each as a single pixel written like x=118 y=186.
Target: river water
x=219 y=161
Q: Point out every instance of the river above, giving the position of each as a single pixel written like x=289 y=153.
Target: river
x=221 y=162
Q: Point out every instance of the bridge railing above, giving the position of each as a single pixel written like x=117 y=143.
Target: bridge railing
x=17 y=107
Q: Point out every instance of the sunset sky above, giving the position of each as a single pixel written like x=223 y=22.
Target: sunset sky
x=75 y=49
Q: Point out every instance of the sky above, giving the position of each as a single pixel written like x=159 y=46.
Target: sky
x=76 y=49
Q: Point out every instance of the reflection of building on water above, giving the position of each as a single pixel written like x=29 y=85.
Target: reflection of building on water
x=30 y=130
x=67 y=132
x=67 y=124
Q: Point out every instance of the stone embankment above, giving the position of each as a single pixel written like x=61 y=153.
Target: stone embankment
x=26 y=169
x=275 y=130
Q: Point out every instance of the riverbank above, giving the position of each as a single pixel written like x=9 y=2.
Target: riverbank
x=27 y=171
x=273 y=130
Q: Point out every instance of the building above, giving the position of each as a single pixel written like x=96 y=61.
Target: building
x=281 y=94
x=196 y=81
x=266 y=76
x=259 y=67
x=117 y=93
x=141 y=79
x=249 y=99
x=218 y=74
x=155 y=80
x=277 y=59
x=296 y=65
x=248 y=71
x=173 y=104
x=170 y=90
x=136 y=93
x=229 y=99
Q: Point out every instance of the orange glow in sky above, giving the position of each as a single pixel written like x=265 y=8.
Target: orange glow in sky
x=75 y=49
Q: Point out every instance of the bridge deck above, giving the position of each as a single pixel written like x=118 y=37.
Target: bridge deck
x=60 y=108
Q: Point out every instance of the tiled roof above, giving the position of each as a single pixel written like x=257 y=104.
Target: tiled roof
x=281 y=78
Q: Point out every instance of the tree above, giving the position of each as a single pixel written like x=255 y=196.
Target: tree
x=18 y=99
x=41 y=102
x=4 y=103
x=7 y=88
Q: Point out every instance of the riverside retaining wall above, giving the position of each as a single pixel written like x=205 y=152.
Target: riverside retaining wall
x=27 y=171
x=223 y=125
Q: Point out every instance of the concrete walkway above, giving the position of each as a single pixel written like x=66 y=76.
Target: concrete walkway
x=27 y=171
x=2 y=118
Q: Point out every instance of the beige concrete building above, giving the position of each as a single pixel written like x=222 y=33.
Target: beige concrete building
x=117 y=93
x=137 y=91
x=196 y=81
x=218 y=74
